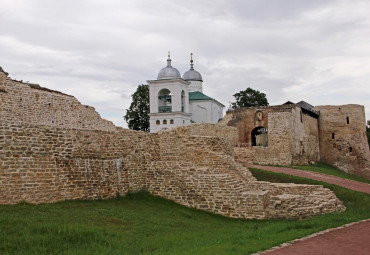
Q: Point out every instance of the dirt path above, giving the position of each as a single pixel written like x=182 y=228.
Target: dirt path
x=353 y=238
x=349 y=184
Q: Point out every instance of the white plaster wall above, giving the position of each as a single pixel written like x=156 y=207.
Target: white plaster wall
x=196 y=86
x=178 y=120
x=175 y=86
x=205 y=111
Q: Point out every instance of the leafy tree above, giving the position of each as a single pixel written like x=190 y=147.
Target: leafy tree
x=249 y=98
x=137 y=116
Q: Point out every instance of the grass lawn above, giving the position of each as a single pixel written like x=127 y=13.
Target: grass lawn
x=331 y=170
x=144 y=224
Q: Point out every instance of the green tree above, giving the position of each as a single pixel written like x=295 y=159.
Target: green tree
x=249 y=98
x=137 y=116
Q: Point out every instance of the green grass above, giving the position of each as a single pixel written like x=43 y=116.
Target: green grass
x=331 y=170
x=144 y=224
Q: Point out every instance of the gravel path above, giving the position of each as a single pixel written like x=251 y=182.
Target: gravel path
x=352 y=238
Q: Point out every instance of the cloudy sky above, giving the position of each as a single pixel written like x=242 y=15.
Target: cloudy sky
x=100 y=51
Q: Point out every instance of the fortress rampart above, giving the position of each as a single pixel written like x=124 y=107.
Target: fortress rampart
x=343 y=139
x=57 y=155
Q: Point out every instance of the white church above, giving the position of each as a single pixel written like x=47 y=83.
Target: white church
x=176 y=101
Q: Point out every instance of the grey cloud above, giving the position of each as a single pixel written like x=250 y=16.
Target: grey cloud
x=290 y=50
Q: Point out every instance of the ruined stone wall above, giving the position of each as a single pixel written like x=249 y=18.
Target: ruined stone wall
x=343 y=143
x=41 y=161
x=48 y=164
x=32 y=104
x=304 y=137
x=208 y=129
x=292 y=136
x=278 y=151
x=244 y=119
x=2 y=81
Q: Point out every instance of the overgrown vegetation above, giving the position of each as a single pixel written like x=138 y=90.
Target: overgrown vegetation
x=144 y=224
x=331 y=170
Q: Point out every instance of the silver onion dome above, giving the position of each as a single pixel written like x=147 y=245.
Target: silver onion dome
x=192 y=75
x=169 y=71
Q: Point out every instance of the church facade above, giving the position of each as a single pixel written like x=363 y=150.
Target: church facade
x=179 y=101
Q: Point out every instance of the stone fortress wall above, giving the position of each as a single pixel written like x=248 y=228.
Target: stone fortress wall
x=292 y=136
x=33 y=104
x=343 y=139
x=44 y=161
x=336 y=136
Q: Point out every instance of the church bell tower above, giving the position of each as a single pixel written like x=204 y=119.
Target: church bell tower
x=168 y=99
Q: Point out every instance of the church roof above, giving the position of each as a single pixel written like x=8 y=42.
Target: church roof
x=192 y=75
x=168 y=72
x=197 y=95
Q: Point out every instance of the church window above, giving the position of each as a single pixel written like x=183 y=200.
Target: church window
x=182 y=101
x=171 y=121
x=164 y=122
x=332 y=135
x=157 y=122
x=164 y=101
x=347 y=120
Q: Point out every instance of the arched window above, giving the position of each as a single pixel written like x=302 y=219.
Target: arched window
x=164 y=101
x=164 y=122
x=182 y=101
x=157 y=122
x=171 y=121
x=259 y=136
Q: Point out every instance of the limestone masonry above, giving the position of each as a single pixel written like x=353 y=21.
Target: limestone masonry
x=297 y=134
x=53 y=148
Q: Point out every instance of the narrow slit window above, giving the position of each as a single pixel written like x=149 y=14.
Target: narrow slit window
x=332 y=135
x=350 y=149
x=347 y=120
